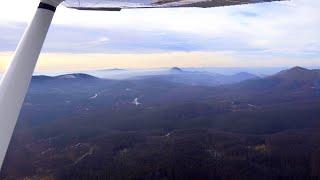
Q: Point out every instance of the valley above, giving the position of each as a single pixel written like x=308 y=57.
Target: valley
x=177 y=125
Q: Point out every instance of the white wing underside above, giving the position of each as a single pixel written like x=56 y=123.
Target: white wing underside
x=110 y=5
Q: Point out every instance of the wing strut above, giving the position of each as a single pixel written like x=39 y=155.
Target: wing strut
x=15 y=82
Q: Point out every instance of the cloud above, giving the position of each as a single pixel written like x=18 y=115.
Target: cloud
x=270 y=31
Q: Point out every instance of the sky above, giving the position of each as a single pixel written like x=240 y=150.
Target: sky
x=278 y=34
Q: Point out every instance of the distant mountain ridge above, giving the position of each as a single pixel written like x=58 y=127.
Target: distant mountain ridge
x=296 y=80
x=76 y=76
x=298 y=73
x=63 y=80
x=178 y=75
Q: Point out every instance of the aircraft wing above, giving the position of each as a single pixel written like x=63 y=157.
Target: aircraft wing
x=117 y=5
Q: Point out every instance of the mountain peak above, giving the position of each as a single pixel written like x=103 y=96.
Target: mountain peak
x=297 y=73
x=176 y=69
x=298 y=68
x=295 y=70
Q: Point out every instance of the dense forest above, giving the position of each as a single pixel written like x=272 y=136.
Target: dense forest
x=181 y=125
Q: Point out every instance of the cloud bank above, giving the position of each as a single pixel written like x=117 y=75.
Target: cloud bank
x=265 y=32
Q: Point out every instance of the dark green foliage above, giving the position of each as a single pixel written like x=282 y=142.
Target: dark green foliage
x=89 y=128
